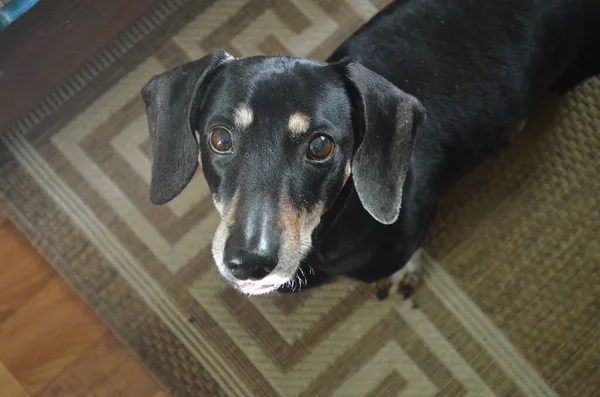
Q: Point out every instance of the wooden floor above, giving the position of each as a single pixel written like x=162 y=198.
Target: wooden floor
x=51 y=344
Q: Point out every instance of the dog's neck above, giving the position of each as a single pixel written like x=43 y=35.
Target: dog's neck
x=335 y=210
x=334 y=222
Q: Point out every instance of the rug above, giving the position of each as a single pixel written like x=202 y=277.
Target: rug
x=512 y=287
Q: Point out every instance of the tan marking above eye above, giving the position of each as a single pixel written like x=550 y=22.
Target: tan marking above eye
x=243 y=117
x=298 y=123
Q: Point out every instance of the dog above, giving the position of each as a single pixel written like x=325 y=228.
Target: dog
x=328 y=169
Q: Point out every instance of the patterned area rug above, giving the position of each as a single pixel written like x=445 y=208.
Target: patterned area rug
x=512 y=293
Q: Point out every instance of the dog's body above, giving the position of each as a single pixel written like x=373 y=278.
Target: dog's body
x=403 y=109
x=478 y=84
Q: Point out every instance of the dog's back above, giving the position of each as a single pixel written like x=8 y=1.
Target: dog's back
x=532 y=40
x=478 y=65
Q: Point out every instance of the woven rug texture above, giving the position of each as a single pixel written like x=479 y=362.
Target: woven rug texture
x=511 y=300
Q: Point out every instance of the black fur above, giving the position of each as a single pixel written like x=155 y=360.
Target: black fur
x=415 y=99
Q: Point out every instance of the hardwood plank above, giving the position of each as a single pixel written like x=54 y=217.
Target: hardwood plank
x=61 y=35
x=46 y=334
x=10 y=386
x=118 y=382
x=23 y=270
x=51 y=343
x=105 y=369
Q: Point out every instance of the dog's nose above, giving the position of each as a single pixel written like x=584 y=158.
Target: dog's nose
x=249 y=266
x=251 y=251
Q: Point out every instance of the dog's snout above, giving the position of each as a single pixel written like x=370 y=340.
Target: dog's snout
x=252 y=249
x=246 y=265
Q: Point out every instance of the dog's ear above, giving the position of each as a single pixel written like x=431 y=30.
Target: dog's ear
x=171 y=100
x=389 y=119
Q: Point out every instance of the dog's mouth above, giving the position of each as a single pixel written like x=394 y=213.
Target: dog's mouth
x=255 y=288
x=258 y=287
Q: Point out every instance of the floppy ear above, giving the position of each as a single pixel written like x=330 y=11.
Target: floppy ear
x=389 y=119
x=171 y=99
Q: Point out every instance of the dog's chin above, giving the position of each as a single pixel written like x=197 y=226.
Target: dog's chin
x=265 y=286
x=254 y=288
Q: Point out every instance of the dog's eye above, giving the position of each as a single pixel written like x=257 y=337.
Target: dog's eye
x=220 y=140
x=320 y=148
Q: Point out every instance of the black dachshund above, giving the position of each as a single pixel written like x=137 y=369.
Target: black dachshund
x=323 y=169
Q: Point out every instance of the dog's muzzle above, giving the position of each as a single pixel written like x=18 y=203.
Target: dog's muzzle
x=252 y=248
x=260 y=244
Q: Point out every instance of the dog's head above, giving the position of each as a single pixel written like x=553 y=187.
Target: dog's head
x=277 y=138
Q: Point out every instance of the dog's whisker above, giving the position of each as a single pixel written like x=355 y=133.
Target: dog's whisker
x=304 y=275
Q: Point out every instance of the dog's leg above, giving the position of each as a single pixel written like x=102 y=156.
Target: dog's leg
x=406 y=280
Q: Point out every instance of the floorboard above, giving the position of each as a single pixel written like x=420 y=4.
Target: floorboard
x=51 y=343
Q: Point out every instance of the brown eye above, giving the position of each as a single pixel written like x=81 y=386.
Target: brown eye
x=320 y=148
x=220 y=140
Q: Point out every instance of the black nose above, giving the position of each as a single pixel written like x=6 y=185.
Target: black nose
x=249 y=266
x=252 y=248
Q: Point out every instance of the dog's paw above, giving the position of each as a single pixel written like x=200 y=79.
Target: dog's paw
x=408 y=288
x=410 y=283
x=382 y=289
x=406 y=280
x=409 y=278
